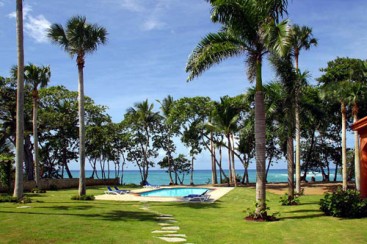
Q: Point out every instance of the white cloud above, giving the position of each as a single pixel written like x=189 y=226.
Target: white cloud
x=152 y=24
x=131 y=5
x=36 y=28
x=26 y=9
x=153 y=21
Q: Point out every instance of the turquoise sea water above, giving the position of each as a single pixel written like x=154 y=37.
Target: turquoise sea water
x=160 y=177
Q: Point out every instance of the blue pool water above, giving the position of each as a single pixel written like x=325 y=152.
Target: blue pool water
x=173 y=192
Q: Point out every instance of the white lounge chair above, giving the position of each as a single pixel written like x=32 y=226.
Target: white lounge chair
x=114 y=192
x=147 y=185
x=197 y=198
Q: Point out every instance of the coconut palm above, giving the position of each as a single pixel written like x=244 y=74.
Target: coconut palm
x=166 y=108
x=19 y=151
x=287 y=76
x=36 y=77
x=337 y=82
x=79 y=38
x=356 y=94
x=301 y=38
x=224 y=120
x=250 y=28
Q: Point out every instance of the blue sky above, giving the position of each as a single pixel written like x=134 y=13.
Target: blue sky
x=149 y=42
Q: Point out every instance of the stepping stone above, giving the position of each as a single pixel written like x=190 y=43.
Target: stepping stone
x=164 y=231
x=165 y=215
x=172 y=239
x=175 y=235
x=164 y=218
x=24 y=207
x=164 y=224
x=171 y=221
x=171 y=228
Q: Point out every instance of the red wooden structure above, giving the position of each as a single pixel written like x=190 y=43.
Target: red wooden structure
x=361 y=127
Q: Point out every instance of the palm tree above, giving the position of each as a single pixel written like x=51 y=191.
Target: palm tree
x=286 y=94
x=166 y=108
x=19 y=151
x=224 y=120
x=339 y=91
x=36 y=76
x=356 y=94
x=79 y=38
x=250 y=28
x=301 y=38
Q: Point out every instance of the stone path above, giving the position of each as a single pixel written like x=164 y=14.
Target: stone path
x=168 y=227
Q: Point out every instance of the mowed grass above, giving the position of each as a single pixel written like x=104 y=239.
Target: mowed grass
x=54 y=218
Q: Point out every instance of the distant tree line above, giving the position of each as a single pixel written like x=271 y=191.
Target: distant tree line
x=224 y=128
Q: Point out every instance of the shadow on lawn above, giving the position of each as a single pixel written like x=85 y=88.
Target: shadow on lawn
x=64 y=207
x=308 y=216
x=115 y=215
x=109 y=215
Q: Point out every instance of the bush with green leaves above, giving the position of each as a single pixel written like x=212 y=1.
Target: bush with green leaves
x=346 y=204
x=83 y=198
x=8 y=198
x=285 y=200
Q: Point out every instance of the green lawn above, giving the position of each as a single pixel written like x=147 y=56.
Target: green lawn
x=54 y=218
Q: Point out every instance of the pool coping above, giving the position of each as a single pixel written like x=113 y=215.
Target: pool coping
x=134 y=196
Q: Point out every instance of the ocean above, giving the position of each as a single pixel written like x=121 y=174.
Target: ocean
x=160 y=177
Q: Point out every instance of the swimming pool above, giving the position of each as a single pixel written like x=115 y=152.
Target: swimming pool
x=173 y=192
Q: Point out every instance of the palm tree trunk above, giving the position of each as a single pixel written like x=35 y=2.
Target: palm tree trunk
x=82 y=181
x=35 y=141
x=290 y=168
x=298 y=130
x=233 y=167
x=220 y=163
x=298 y=149
x=260 y=142
x=344 y=145
x=212 y=153
x=229 y=160
x=192 y=172
x=19 y=150
x=357 y=166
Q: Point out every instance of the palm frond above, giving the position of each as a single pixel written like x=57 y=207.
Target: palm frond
x=211 y=50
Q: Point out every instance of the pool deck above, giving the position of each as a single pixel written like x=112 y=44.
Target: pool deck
x=133 y=196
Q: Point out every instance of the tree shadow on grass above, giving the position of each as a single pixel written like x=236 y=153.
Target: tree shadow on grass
x=64 y=207
x=304 y=211
x=308 y=216
x=111 y=215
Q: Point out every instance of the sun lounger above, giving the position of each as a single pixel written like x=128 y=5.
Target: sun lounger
x=203 y=197
x=197 y=198
x=118 y=190
x=147 y=185
x=114 y=192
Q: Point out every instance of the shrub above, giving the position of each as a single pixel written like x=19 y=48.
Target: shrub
x=37 y=190
x=285 y=200
x=8 y=199
x=251 y=214
x=25 y=199
x=83 y=198
x=346 y=204
x=53 y=187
